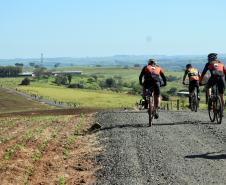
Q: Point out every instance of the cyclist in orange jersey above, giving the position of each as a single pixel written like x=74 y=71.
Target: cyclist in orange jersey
x=151 y=74
x=217 y=71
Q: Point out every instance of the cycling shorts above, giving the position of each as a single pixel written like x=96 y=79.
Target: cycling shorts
x=219 y=80
x=154 y=85
x=192 y=85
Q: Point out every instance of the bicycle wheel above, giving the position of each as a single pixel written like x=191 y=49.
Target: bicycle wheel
x=196 y=101
x=210 y=109
x=150 y=111
x=193 y=103
x=219 y=110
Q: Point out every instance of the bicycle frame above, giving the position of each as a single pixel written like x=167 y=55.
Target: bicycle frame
x=151 y=104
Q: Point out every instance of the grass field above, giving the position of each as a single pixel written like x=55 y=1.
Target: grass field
x=10 y=102
x=84 y=98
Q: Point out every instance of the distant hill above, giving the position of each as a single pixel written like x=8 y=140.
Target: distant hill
x=167 y=62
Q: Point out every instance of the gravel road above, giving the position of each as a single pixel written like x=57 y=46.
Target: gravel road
x=181 y=148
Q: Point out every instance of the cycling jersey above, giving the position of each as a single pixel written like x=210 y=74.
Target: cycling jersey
x=215 y=67
x=193 y=74
x=152 y=73
x=217 y=72
x=151 y=76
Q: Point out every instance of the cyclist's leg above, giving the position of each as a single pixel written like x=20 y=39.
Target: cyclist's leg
x=210 y=84
x=157 y=94
x=157 y=98
x=144 y=94
x=221 y=88
x=191 y=89
x=197 y=86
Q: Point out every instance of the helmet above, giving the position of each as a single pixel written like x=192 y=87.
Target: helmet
x=188 y=66
x=151 y=62
x=212 y=56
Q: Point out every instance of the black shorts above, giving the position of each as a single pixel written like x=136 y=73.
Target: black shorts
x=219 y=81
x=192 y=85
x=154 y=85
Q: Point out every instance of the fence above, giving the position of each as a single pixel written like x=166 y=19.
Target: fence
x=180 y=104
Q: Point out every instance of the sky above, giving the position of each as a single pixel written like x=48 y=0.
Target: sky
x=95 y=28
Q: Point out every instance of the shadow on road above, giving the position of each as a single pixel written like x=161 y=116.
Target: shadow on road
x=208 y=155
x=184 y=123
x=125 y=126
x=145 y=125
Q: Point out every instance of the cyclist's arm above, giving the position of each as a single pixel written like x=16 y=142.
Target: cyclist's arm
x=141 y=75
x=163 y=77
x=224 y=70
x=204 y=71
x=185 y=74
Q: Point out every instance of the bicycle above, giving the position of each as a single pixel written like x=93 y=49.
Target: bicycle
x=215 y=106
x=151 y=105
x=194 y=100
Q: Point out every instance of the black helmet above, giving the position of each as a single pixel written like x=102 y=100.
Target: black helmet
x=188 y=66
x=212 y=56
x=151 y=62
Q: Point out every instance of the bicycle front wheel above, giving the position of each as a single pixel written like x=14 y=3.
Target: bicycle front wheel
x=219 y=110
x=211 y=112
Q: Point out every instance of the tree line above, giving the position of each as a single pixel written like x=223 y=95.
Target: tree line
x=10 y=71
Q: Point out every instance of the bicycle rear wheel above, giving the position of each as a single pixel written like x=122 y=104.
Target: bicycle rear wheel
x=194 y=101
x=150 y=111
x=219 y=110
x=211 y=110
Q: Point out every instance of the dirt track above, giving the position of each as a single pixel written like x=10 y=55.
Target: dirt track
x=180 y=148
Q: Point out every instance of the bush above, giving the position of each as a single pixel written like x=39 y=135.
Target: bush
x=61 y=80
x=110 y=82
x=171 y=78
x=165 y=96
x=25 y=81
x=172 y=91
x=76 y=85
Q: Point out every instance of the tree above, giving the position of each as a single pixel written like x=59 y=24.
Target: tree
x=57 y=65
x=10 y=71
x=69 y=77
x=19 y=64
x=32 y=64
x=61 y=80
x=136 y=65
x=110 y=82
x=25 y=81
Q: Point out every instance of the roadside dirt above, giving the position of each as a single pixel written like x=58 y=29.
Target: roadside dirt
x=50 y=112
x=181 y=148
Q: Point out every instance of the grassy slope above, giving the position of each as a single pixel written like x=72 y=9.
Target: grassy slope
x=84 y=98
x=13 y=103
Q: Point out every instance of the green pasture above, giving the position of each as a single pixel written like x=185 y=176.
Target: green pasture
x=84 y=98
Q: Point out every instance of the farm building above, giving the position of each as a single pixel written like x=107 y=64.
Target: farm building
x=55 y=73
x=25 y=74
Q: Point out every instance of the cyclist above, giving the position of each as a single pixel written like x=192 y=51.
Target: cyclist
x=217 y=71
x=151 y=73
x=193 y=75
